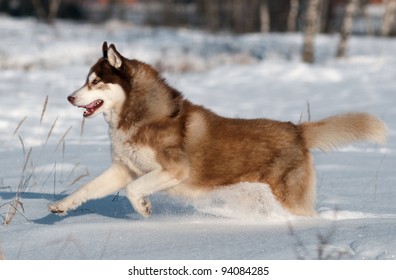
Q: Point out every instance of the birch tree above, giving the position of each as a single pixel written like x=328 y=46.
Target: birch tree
x=292 y=18
x=311 y=20
x=389 y=17
x=346 y=27
x=48 y=14
x=264 y=17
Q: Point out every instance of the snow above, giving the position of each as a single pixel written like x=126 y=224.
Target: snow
x=245 y=76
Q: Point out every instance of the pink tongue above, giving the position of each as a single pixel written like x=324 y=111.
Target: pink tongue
x=90 y=105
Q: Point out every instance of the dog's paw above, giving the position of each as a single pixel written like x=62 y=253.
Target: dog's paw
x=143 y=207
x=56 y=208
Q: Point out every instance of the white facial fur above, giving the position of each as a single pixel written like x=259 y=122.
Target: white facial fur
x=112 y=95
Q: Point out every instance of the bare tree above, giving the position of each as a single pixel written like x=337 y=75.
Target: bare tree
x=346 y=27
x=264 y=17
x=369 y=21
x=324 y=11
x=212 y=14
x=44 y=13
x=238 y=15
x=389 y=17
x=116 y=9
x=39 y=9
x=53 y=10
x=292 y=18
x=311 y=21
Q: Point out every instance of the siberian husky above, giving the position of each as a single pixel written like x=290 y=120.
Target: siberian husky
x=163 y=142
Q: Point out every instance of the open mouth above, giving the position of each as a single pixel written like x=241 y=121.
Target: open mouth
x=92 y=107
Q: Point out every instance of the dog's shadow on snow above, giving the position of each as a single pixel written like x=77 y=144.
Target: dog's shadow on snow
x=116 y=206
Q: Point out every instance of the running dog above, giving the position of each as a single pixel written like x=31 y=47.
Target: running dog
x=162 y=142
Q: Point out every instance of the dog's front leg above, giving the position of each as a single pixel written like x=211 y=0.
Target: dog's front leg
x=152 y=182
x=110 y=181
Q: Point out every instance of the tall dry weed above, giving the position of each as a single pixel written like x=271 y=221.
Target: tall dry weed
x=30 y=176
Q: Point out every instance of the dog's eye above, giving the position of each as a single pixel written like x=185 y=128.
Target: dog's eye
x=95 y=82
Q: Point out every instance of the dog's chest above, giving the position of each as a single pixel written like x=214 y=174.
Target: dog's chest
x=140 y=159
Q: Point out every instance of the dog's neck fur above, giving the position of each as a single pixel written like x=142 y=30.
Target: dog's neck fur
x=151 y=96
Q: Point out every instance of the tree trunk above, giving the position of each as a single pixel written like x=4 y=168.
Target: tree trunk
x=370 y=27
x=47 y=12
x=53 y=10
x=264 y=17
x=389 y=17
x=346 y=27
x=39 y=9
x=324 y=11
x=212 y=8
x=238 y=15
x=292 y=18
x=311 y=20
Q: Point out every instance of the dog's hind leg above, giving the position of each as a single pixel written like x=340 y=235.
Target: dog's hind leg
x=296 y=189
x=110 y=181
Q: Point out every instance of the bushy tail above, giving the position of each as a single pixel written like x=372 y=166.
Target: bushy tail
x=339 y=130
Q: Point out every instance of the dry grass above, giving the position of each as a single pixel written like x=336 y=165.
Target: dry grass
x=50 y=131
x=63 y=138
x=29 y=175
x=44 y=109
x=19 y=125
x=308 y=114
x=324 y=250
x=82 y=127
x=374 y=180
x=23 y=184
x=1 y=255
x=78 y=178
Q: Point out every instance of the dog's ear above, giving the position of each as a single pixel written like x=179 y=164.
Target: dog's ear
x=114 y=57
x=105 y=48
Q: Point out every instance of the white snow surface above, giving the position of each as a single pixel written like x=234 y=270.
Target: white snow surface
x=247 y=76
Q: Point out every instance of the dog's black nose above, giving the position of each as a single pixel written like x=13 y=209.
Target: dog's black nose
x=71 y=98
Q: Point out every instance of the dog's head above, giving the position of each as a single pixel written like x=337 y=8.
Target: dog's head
x=106 y=85
x=132 y=89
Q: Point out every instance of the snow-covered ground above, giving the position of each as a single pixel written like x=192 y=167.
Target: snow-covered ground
x=48 y=151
